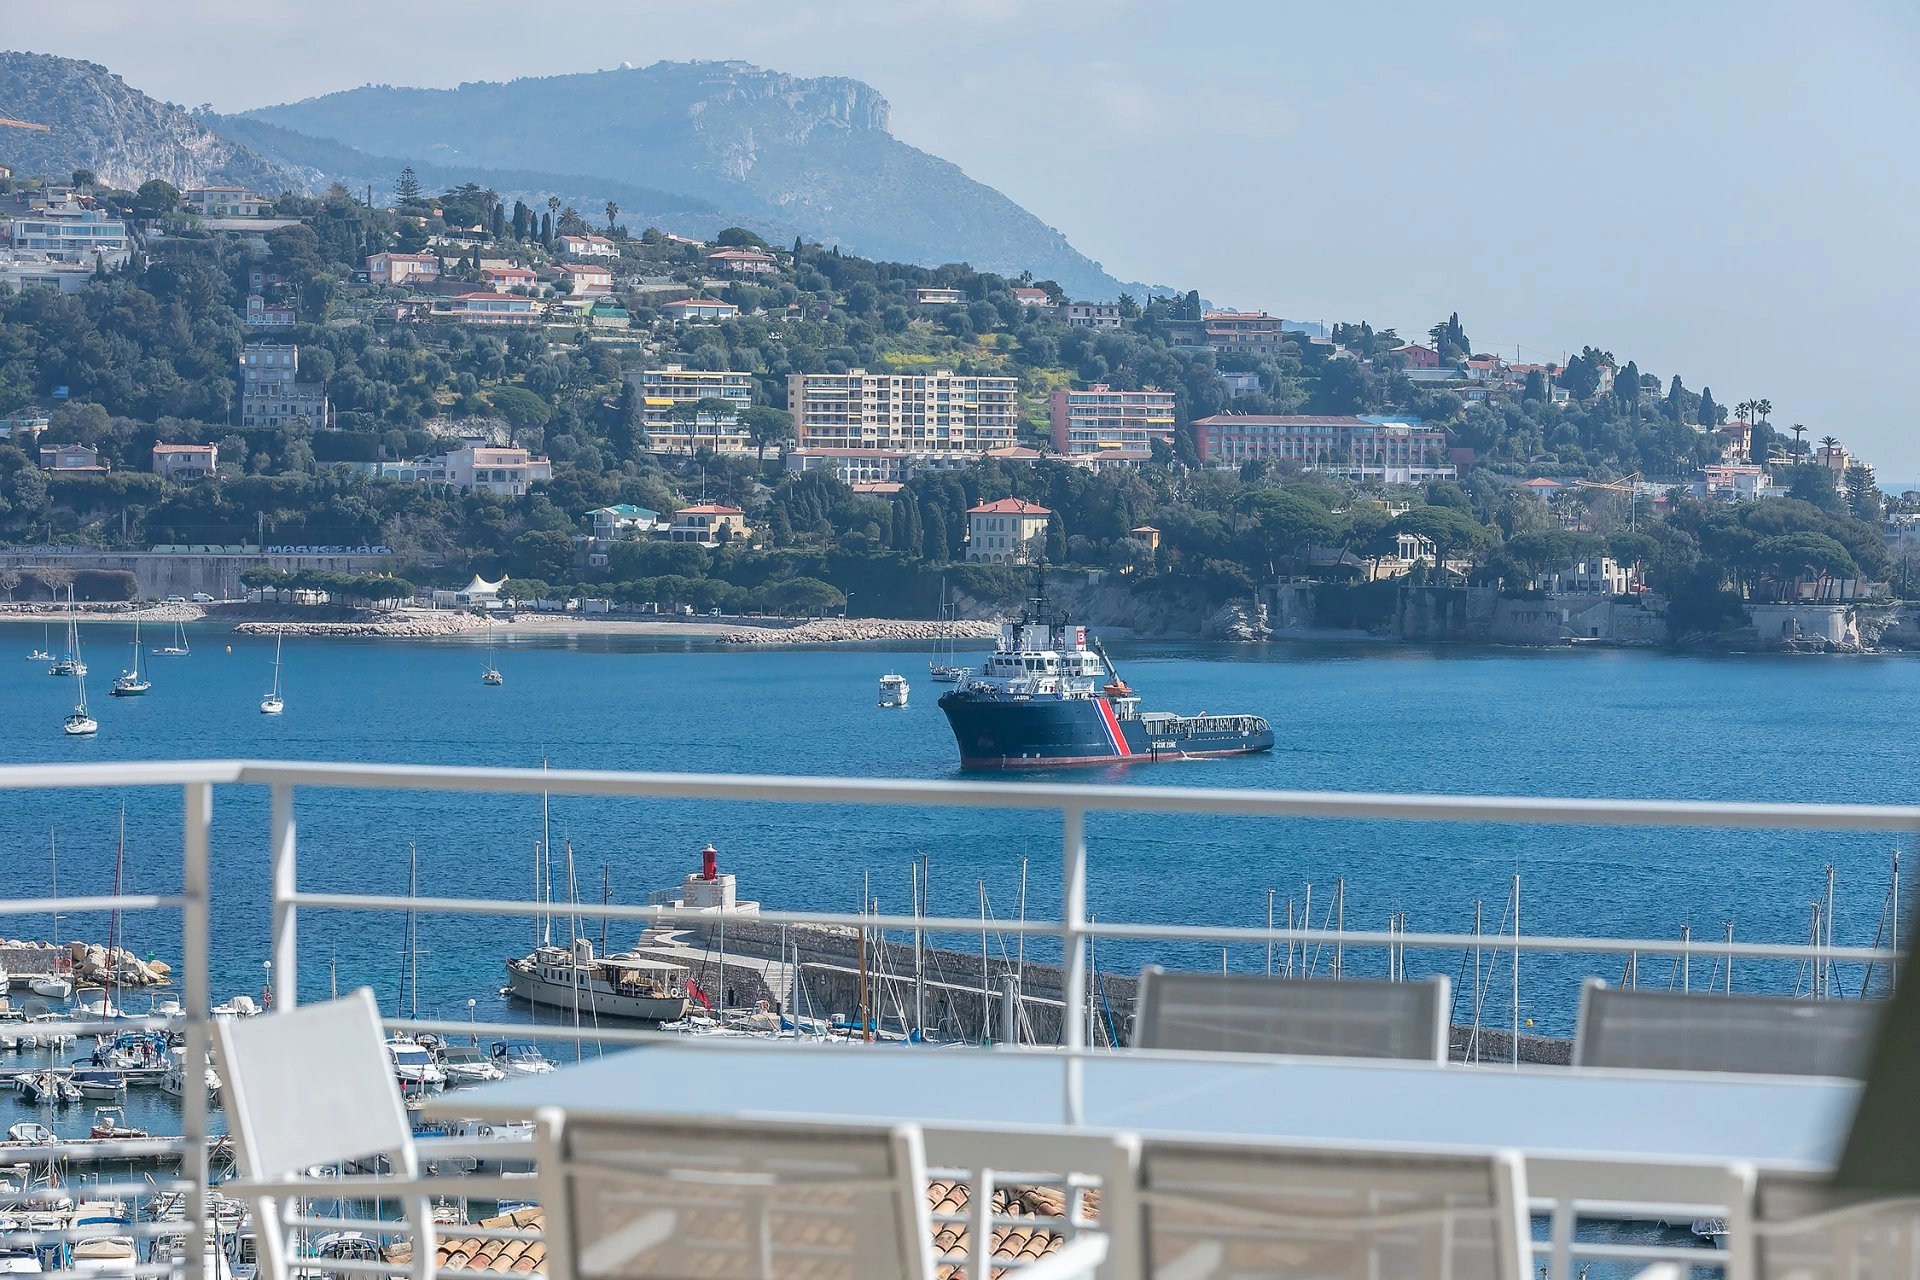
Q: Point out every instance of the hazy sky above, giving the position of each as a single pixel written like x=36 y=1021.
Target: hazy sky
x=1724 y=191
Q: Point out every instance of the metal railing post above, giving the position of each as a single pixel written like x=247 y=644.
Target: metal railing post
x=286 y=885
x=1073 y=956
x=195 y=930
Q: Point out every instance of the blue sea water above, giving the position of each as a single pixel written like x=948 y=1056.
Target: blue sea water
x=1350 y=718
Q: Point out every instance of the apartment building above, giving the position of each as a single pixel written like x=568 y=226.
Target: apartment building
x=69 y=231
x=1355 y=448
x=1254 y=332
x=742 y=262
x=587 y=279
x=1102 y=420
x=939 y=412
x=663 y=391
x=271 y=393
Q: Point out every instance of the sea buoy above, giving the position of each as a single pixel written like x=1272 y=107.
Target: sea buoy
x=229 y=648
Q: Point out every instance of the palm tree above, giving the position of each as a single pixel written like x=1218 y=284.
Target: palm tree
x=1744 y=410
x=613 y=211
x=1799 y=429
x=1764 y=408
x=1829 y=443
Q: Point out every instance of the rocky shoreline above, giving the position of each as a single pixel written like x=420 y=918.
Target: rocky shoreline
x=857 y=630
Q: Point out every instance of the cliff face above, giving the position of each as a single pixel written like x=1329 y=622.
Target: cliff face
x=97 y=122
x=812 y=153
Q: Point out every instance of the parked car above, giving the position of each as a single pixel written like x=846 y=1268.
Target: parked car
x=176 y=600
x=201 y=597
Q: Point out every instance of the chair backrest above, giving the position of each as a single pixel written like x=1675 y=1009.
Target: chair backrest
x=1764 y=1035
x=1199 y=1210
x=638 y=1199
x=310 y=1086
x=1807 y=1229
x=1322 y=1017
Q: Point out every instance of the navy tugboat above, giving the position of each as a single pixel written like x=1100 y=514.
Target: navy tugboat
x=1047 y=699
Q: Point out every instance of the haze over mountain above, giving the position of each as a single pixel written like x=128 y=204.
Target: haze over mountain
x=811 y=153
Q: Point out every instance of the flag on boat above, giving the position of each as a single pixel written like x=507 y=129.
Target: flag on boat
x=693 y=989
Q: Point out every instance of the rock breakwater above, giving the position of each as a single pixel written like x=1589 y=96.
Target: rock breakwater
x=854 y=630
x=439 y=625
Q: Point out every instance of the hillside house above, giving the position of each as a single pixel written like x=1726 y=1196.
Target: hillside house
x=402 y=268
x=742 y=262
x=586 y=246
x=185 y=461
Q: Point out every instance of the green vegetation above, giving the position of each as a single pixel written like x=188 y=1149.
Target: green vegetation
x=149 y=353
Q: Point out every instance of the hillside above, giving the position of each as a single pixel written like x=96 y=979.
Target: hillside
x=122 y=135
x=814 y=154
x=320 y=161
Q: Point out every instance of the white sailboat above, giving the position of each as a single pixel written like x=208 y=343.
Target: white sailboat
x=69 y=663
x=45 y=652
x=79 y=724
x=178 y=649
x=273 y=704
x=492 y=674
x=944 y=669
x=134 y=682
x=57 y=985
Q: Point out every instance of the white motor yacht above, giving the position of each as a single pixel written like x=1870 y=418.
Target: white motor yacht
x=893 y=690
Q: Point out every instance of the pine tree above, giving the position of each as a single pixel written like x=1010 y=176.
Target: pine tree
x=406 y=188
x=1056 y=540
x=935 y=519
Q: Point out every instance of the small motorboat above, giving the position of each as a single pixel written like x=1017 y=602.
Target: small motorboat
x=32 y=1134
x=51 y=986
x=520 y=1058
x=466 y=1064
x=111 y=1122
x=100 y=1083
x=893 y=690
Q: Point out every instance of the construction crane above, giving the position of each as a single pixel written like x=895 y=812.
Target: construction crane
x=7 y=122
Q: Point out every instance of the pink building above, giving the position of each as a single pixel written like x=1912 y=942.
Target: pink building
x=504 y=471
x=399 y=268
x=507 y=279
x=1415 y=356
x=588 y=279
x=1101 y=420
x=742 y=262
x=185 y=461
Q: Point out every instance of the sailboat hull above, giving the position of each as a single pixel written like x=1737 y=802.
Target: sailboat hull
x=590 y=997
x=129 y=690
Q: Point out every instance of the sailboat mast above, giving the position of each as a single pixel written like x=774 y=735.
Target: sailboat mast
x=413 y=927
x=53 y=858
x=546 y=867
x=606 y=896
x=113 y=921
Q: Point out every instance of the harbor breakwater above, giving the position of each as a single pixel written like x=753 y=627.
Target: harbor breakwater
x=960 y=998
x=862 y=630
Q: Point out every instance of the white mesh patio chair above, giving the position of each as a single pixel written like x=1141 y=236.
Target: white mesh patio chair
x=1763 y=1035
x=1318 y=1017
x=1806 y=1229
x=1210 y=1211
x=635 y=1199
x=312 y=1086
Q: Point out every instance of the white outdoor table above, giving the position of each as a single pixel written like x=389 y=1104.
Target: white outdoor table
x=1770 y=1121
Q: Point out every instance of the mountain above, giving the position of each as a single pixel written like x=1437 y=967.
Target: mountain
x=320 y=161
x=97 y=122
x=811 y=153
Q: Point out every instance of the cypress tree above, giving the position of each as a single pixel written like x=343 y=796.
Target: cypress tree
x=546 y=230
x=1709 y=411
x=935 y=520
x=499 y=222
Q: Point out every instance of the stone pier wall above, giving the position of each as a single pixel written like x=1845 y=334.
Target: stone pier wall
x=162 y=574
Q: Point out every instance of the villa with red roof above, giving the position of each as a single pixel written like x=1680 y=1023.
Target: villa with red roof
x=1009 y=531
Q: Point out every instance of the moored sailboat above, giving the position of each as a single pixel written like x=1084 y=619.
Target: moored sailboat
x=79 y=724
x=133 y=682
x=178 y=649
x=492 y=674
x=273 y=704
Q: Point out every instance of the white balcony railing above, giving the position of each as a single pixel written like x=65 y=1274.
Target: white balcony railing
x=1073 y=930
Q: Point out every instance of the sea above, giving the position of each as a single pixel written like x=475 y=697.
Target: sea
x=1371 y=718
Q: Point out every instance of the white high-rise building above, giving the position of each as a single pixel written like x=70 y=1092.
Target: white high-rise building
x=939 y=412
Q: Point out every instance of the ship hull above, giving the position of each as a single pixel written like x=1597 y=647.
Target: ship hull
x=1051 y=733
x=593 y=998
